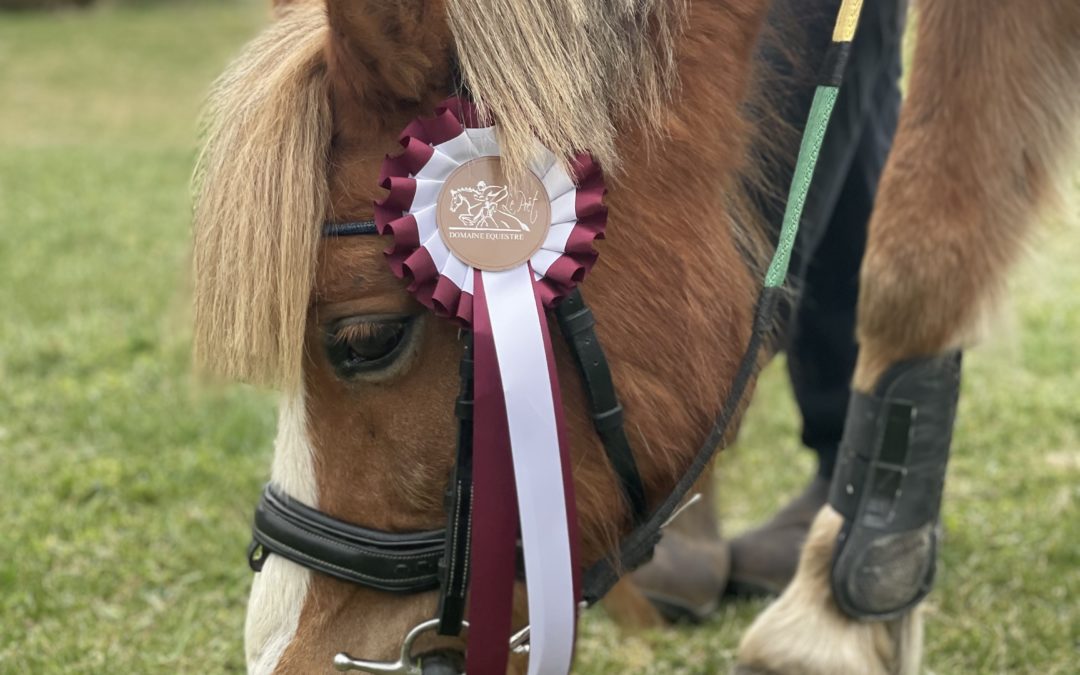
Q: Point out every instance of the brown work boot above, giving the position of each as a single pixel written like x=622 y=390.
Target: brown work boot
x=686 y=576
x=689 y=569
x=764 y=559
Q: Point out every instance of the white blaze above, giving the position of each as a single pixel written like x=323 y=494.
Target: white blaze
x=278 y=592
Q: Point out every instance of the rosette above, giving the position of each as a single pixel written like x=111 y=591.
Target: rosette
x=491 y=253
x=434 y=149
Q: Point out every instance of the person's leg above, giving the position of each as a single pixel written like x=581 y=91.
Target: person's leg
x=822 y=349
x=821 y=344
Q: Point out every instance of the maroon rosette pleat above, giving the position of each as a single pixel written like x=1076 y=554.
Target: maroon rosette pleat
x=579 y=254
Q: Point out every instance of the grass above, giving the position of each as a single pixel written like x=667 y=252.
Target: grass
x=126 y=488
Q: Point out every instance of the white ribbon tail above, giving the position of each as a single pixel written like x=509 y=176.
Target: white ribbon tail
x=534 y=440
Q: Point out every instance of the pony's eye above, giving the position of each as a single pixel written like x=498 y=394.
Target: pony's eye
x=359 y=345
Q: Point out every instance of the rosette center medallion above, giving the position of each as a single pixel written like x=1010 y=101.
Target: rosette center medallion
x=490 y=222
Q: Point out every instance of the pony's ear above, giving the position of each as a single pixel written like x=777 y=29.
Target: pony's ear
x=261 y=196
x=387 y=51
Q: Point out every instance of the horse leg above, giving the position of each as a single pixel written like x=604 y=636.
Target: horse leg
x=991 y=106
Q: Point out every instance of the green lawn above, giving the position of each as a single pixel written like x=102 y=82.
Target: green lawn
x=126 y=488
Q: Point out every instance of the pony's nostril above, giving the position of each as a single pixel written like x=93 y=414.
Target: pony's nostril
x=443 y=662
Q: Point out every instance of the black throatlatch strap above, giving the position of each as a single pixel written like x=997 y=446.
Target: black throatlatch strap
x=454 y=565
x=576 y=322
x=888 y=484
x=399 y=563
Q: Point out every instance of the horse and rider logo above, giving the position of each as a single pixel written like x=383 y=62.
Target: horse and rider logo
x=491 y=207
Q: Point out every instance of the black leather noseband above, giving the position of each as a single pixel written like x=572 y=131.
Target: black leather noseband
x=396 y=562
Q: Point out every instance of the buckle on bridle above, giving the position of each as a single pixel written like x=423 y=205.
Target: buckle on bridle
x=408 y=663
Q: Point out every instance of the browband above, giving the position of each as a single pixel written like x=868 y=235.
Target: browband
x=350 y=229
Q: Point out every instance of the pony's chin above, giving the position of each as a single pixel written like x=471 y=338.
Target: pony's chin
x=277 y=598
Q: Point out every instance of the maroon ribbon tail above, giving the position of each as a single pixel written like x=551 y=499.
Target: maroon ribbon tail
x=495 y=515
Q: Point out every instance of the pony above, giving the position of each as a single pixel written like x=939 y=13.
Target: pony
x=663 y=93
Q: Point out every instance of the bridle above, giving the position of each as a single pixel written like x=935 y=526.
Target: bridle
x=417 y=562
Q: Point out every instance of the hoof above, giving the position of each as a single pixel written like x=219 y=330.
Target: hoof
x=805 y=633
x=630 y=609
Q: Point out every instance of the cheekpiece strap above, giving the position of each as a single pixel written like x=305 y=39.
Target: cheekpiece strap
x=454 y=565
x=577 y=324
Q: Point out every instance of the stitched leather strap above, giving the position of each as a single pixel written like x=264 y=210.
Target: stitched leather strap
x=454 y=565
x=577 y=324
x=399 y=563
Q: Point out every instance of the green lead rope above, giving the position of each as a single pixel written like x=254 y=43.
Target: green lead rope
x=817 y=124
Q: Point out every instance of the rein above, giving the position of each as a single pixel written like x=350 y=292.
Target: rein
x=423 y=561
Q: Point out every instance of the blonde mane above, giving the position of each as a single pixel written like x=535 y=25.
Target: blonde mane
x=568 y=73
x=261 y=194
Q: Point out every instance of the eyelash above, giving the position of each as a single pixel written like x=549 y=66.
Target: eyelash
x=345 y=344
